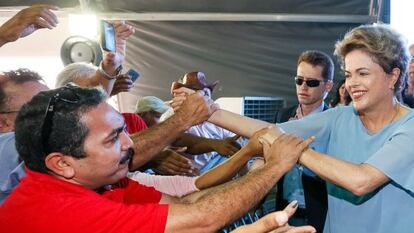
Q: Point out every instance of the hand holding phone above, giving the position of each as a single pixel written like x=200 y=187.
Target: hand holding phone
x=108 y=41
x=133 y=74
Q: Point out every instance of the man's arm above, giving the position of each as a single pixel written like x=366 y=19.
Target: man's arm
x=149 y=142
x=199 y=145
x=213 y=208
x=240 y=125
x=227 y=170
x=26 y=21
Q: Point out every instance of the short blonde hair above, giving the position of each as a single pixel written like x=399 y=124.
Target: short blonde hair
x=387 y=47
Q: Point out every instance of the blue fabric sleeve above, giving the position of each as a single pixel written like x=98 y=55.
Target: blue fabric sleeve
x=318 y=125
x=396 y=158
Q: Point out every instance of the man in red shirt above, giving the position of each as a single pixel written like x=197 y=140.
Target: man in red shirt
x=75 y=147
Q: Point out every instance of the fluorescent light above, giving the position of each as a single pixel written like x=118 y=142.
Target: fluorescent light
x=83 y=25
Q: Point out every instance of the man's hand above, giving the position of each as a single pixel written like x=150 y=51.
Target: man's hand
x=194 y=110
x=123 y=83
x=170 y=162
x=285 y=150
x=254 y=145
x=112 y=61
x=276 y=223
x=226 y=147
x=26 y=21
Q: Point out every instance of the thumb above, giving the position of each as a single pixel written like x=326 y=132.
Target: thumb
x=265 y=143
x=268 y=223
x=180 y=149
x=307 y=142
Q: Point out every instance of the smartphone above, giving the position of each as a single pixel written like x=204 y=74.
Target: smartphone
x=108 y=42
x=133 y=74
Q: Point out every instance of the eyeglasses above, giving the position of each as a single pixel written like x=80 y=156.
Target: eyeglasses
x=309 y=82
x=67 y=95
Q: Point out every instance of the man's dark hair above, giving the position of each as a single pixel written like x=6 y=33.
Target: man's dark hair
x=318 y=58
x=68 y=132
x=16 y=76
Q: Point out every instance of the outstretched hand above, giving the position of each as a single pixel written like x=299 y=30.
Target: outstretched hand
x=27 y=21
x=276 y=223
x=227 y=146
x=171 y=162
x=123 y=83
x=285 y=150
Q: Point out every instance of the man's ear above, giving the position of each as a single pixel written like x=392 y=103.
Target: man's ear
x=60 y=164
x=328 y=85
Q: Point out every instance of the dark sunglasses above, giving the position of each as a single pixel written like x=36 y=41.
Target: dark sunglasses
x=67 y=95
x=310 y=82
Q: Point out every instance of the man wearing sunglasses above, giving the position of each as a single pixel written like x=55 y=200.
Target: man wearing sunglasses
x=313 y=82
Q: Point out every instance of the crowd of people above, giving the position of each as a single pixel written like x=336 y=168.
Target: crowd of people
x=70 y=162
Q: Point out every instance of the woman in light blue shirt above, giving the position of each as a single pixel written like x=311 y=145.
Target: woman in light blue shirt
x=364 y=151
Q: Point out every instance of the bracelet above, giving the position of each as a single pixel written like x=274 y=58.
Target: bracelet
x=106 y=75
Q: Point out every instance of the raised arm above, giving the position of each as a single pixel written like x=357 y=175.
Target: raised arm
x=27 y=21
x=107 y=74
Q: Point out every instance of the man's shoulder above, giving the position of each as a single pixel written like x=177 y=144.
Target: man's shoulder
x=4 y=137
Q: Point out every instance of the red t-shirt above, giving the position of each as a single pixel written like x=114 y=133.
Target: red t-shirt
x=43 y=203
x=134 y=122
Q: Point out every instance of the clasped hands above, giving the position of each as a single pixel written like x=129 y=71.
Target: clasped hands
x=278 y=147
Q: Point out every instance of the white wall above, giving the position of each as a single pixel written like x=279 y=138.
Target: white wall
x=402 y=18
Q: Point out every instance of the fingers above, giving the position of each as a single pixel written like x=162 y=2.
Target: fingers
x=179 y=149
x=49 y=16
x=41 y=15
x=266 y=146
x=183 y=91
x=266 y=224
x=305 y=144
x=291 y=208
x=48 y=6
x=303 y=229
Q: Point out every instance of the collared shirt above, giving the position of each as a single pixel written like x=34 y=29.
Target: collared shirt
x=11 y=168
x=292 y=183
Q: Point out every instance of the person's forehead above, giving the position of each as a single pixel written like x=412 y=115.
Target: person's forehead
x=102 y=119
x=308 y=70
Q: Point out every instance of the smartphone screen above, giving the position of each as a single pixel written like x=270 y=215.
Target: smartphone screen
x=108 y=42
x=133 y=74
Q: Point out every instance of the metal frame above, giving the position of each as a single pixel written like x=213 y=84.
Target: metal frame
x=372 y=17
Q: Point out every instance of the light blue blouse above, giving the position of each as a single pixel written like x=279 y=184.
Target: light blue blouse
x=340 y=133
